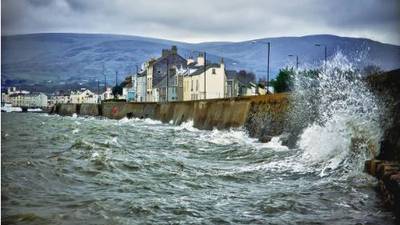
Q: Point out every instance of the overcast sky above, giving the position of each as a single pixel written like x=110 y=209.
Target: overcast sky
x=206 y=20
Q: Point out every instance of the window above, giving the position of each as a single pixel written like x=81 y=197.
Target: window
x=213 y=71
x=197 y=85
x=192 y=86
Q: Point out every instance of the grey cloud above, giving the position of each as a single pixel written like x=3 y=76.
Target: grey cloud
x=207 y=20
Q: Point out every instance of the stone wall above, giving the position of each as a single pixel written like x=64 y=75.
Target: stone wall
x=387 y=87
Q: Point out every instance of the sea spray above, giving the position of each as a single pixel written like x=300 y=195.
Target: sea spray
x=340 y=116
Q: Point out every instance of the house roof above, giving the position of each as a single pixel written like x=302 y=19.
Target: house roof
x=200 y=69
x=231 y=74
x=170 y=54
x=142 y=73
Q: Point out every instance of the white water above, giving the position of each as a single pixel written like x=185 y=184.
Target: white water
x=346 y=130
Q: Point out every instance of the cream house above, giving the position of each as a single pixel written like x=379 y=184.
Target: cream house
x=149 y=80
x=208 y=84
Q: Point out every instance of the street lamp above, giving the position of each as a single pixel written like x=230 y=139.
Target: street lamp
x=167 y=79
x=325 y=48
x=297 y=60
x=269 y=49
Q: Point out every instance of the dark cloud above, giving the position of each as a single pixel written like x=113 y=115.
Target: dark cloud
x=207 y=20
x=39 y=3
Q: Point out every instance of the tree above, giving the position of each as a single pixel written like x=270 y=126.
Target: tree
x=246 y=77
x=283 y=81
x=117 y=90
x=371 y=70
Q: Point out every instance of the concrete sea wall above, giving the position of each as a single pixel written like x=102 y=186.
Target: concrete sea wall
x=262 y=116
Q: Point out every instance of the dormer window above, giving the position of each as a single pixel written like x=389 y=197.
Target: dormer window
x=213 y=71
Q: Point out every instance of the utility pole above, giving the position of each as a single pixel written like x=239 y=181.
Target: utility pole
x=205 y=81
x=116 y=78
x=297 y=61
x=105 y=79
x=167 y=78
x=325 y=54
x=136 y=83
x=98 y=90
x=325 y=58
x=269 y=49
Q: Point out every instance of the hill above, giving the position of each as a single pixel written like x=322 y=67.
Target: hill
x=57 y=59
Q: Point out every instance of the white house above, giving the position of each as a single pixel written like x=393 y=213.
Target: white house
x=56 y=99
x=107 y=94
x=141 y=87
x=195 y=87
x=28 y=100
x=129 y=90
x=83 y=96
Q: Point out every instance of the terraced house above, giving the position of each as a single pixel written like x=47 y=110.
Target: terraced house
x=173 y=78
x=161 y=76
x=204 y=81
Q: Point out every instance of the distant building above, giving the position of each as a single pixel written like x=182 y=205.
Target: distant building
x=22 y=98
x=158 y=71
x=232 y=84
x=83 y=96
x=28 y=100
x=129 y=89
x=57 y=99
x=249 y=89
x=141 y=87
x=106 y=95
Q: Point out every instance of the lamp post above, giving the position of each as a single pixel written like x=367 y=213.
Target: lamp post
x=297 y=60
x=325 y=53
x=105 y=78
x=136 y=83
x=269 y=49
x=116 y=78
x=205 y=69
x=167 y=79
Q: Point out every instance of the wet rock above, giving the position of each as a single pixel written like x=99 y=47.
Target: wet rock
x=265 y=138
x=388 y=174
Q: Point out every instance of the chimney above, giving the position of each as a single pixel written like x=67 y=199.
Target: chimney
x=165 y=52
x=200 y=59
x=174 y=49
x=222 y=64
x=190 y=60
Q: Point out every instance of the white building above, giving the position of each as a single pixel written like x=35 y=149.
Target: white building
x=83 y=96
x=107 y=94
x=59 y=99
x=141 y=87
x=129 y=90
x=195 y=87
x=28 y=100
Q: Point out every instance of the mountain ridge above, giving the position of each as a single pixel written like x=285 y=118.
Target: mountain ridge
x=74 y=57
